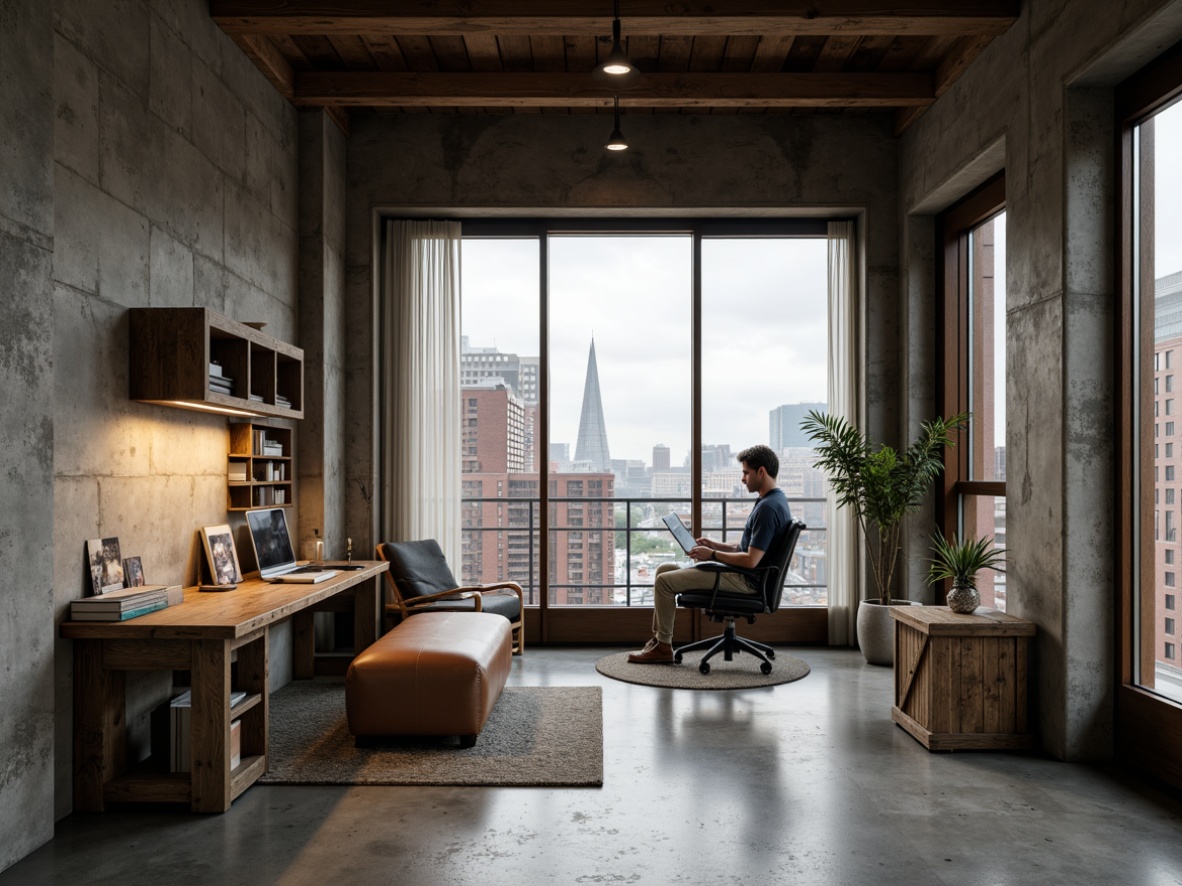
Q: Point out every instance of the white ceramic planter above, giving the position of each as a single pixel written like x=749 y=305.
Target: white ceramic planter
x=876 y=631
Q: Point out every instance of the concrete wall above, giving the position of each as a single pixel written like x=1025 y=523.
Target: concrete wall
x=144 y=162
x=322 y=331
x=26 y=427
x=1038 y=103
x=544 y=165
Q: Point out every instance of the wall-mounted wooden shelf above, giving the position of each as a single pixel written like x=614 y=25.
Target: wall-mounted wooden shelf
x=260 y=467
x=198 y=359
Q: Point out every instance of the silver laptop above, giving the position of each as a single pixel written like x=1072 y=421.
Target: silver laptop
x=273 y=551
x=683 y=536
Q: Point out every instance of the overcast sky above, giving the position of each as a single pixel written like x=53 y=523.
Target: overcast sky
x=764 y=330
x=1168 y=191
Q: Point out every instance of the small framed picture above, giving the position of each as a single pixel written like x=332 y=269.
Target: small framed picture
x=222 y=557
x=106 y=566
x=133 y=572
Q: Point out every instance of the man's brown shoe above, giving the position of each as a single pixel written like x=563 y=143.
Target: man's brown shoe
x=653 y=653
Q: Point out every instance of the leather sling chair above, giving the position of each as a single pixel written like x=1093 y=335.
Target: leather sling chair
x=725 y=606
x=421 y=581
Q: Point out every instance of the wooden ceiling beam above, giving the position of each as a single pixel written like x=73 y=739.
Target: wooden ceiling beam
x=672 y=90
x=640 y=17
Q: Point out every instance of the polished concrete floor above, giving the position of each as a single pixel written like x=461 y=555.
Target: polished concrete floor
x=807 y=783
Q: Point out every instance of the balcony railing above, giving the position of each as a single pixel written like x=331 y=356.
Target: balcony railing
x=518 y=531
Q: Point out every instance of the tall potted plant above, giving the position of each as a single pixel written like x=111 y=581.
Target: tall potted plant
x=883 y=486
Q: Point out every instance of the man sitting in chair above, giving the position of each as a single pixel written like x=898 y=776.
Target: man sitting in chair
x=767 y=520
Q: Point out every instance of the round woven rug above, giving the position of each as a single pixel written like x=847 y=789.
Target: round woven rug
x=741 y=673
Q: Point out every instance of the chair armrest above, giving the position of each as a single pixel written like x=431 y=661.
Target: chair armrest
x=454 y=593
x=498 y=587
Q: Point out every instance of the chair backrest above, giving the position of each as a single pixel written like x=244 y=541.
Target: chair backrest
x=417 y=568
x=778 y=557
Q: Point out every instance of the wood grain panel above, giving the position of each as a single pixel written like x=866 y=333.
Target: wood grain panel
x=210 y=741
x=971 y=702
x=836 y=52
x=353 y=52
x=385 y=52
x=660 y=90
x=100 y=733
x=739 y=55
x=744 y=17
x=417 y=52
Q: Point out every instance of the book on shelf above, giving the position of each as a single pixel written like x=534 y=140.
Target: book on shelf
x=180 y=711
x=215 y=369
x=256 y=398
x=237 y=472
x=116 y=614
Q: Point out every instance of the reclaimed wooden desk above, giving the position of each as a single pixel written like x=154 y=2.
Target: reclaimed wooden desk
x=200 y=636
x=960 y=680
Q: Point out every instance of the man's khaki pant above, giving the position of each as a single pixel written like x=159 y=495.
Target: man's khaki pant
x=672 y=580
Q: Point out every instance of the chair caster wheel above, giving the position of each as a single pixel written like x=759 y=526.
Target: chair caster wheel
x=677 y=657
x=765 y=668
x=771 y=655
x=704 y=667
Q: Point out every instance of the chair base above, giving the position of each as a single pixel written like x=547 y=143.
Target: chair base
x=728 y=644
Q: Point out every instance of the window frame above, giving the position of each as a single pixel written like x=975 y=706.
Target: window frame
x=589 y=623
x=1148 y=725
x=953 y=348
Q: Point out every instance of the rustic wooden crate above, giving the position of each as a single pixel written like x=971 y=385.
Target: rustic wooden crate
x=960 y=680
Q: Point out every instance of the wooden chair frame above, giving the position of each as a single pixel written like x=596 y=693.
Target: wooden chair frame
x=475 y=593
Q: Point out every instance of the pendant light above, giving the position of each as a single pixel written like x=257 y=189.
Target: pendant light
x=615 y=141
x=616 y=65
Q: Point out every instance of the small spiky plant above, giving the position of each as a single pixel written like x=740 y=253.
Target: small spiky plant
x=962 y=560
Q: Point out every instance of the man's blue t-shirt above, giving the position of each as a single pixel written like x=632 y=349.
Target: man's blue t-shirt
x=766 y=521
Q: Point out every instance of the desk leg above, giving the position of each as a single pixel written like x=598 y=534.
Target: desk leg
x=210 y=738
x=254 y=677
x=100 y=733
x=303 y=646
x=366 y=600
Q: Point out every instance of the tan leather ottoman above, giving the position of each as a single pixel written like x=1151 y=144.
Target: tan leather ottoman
x=437 y=673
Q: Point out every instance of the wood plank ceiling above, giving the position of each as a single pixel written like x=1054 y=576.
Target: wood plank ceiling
x=539 y=56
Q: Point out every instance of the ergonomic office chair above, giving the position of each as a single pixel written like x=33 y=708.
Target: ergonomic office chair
x=725 y=606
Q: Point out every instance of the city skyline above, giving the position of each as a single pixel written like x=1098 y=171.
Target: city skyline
x=640 y=290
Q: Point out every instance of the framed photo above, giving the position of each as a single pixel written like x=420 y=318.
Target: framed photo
x=106 y=566
x=221 y=554
x=133 y=572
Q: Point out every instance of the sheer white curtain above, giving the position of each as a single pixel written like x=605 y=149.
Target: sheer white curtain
x=420 y=391
x=843 y=399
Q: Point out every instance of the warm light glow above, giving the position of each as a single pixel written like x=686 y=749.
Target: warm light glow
x=220 y=410
x=617 y=68
x=616 y=146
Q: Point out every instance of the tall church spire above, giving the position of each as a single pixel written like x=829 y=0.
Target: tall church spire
x=591 y=448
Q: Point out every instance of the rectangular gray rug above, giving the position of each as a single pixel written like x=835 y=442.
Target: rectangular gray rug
x=539 y=736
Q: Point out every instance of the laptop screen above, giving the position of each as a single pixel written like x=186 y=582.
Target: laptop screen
x=272 y=544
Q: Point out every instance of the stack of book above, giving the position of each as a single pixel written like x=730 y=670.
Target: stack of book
x=237 y=472
x=220 y=383
x=125 y=604
x=180 y=752
x=280 y=400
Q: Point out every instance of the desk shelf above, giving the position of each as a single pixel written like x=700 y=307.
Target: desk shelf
x=170 y=354
x=261 y=465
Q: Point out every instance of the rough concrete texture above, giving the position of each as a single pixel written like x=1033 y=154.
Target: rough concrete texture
x=1058 y=161
x=26 y=427
x=322 y=291
x=808 y=783
x=917 y=324
x=173 y=186
x=550 y=165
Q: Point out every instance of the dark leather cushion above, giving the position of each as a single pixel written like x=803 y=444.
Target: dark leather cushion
x=418 y=568
x=498 y=604
x=737 y=603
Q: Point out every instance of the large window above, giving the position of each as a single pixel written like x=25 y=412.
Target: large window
x=972 y=373
x=1156 y=253
x=611 y=373
x=1149 y=699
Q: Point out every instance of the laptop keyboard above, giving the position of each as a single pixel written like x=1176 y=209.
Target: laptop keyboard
x=305 y=569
